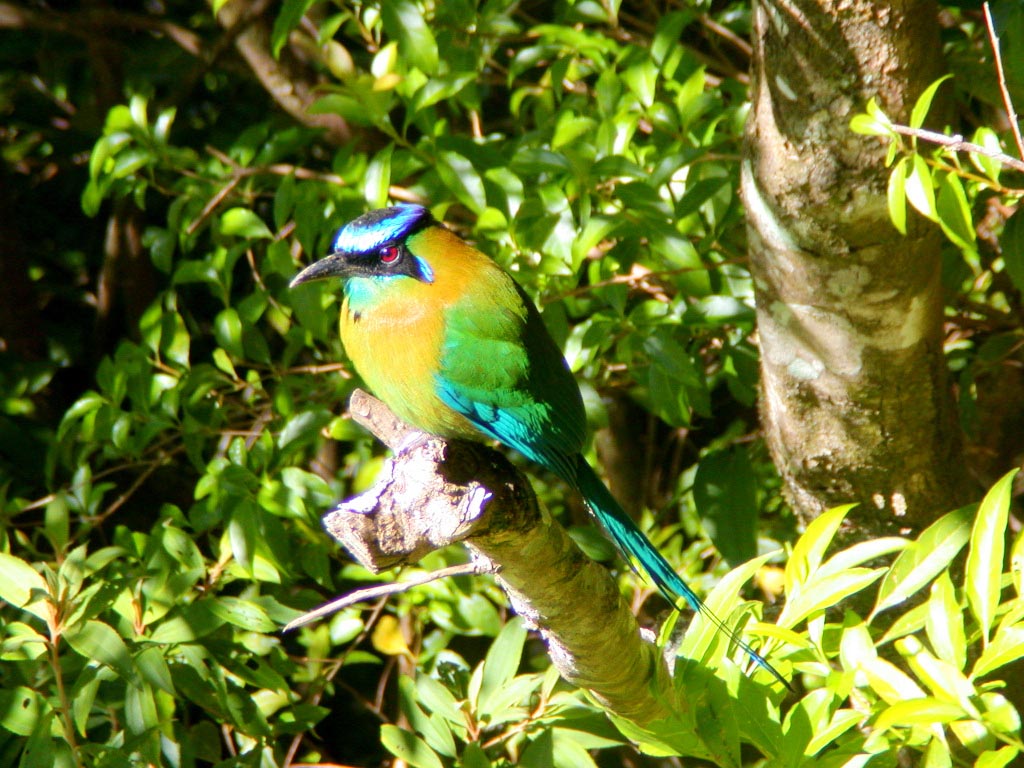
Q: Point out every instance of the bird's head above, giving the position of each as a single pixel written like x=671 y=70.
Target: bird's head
x=374 y=246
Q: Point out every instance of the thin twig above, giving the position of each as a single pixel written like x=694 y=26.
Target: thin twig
x=371 y=593
x=957 y=143
x=1001 y=77
x=214 y=201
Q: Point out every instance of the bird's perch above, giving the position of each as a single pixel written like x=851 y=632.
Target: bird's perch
x=435 y=493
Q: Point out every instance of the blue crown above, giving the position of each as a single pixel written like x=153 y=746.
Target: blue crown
x=372 y=230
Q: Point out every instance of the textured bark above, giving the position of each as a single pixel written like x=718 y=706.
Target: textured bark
x=856 y=405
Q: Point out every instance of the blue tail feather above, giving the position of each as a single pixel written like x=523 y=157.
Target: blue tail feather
x=645 y=558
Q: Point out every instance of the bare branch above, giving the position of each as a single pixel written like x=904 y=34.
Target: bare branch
x=373 y=593
x=957 y=143
x=1011 y=113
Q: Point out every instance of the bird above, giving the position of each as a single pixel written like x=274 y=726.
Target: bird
x=454 y=347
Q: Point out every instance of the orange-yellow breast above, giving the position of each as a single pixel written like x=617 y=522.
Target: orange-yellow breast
x=394 y=329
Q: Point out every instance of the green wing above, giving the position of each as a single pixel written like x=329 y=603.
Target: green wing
x=501 y=369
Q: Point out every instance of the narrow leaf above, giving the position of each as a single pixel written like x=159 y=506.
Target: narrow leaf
x=925 y=559
x=945 y=623
x=810 y=548
x=502 y=660
x=920 y=191
x=954 y=212
x=924 y=102
x=1007 y=646
x=982 y=579
x=896 y=195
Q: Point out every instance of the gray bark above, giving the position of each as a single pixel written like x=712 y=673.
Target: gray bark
x=856 y=404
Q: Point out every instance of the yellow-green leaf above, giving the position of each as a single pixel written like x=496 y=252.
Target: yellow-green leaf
x=983 y=575
x=23 y=587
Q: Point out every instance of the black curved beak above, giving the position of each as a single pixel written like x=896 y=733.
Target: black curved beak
x=334 y=265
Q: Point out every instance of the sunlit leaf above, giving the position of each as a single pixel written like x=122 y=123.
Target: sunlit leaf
x=924 y=102
x=924 y=559
x=983 y=576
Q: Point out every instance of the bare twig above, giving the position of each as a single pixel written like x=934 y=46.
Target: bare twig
x=372 y=593
x=212 y=204
x=1011 y=113
x=957 y=143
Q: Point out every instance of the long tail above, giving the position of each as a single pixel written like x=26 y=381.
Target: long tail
x=645 y=558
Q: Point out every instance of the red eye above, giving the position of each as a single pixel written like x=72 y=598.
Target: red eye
x=389 y=254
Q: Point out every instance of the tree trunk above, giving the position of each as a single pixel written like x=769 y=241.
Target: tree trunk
x=856 y=404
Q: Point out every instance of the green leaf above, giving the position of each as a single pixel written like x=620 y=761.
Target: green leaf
x=439 y=700
x=990 y=166
x=23 y=587
x=919 y=188
x=925 y=711
x=954 y=212
x=820 y=594
x=866 y=125
x=810 y=548
x=96 y=640
x=377 y=182
x=227 y=329
x=502 y=661
x=983 y=575
x=435 y=730
x=890 y=682
x=243 y=223
x=924 y=102
x=999 y=759
x=945 y=623
x=473 y=756
x=725 y=494
x=925 y=559
x=896 y=195
x=408 y=747
x=21 y=710
x=153 y=666
x=462 y=179
x=1007 y=646
x=842 y=721
x=403 y=21
x=242 y=613
x=874 y=122
x=287 y=19
x=1012 y=244
x=140 y=713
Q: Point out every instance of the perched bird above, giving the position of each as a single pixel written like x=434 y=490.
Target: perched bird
x=452 y=344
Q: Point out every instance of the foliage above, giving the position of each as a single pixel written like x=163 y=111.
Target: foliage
x=160 y=514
